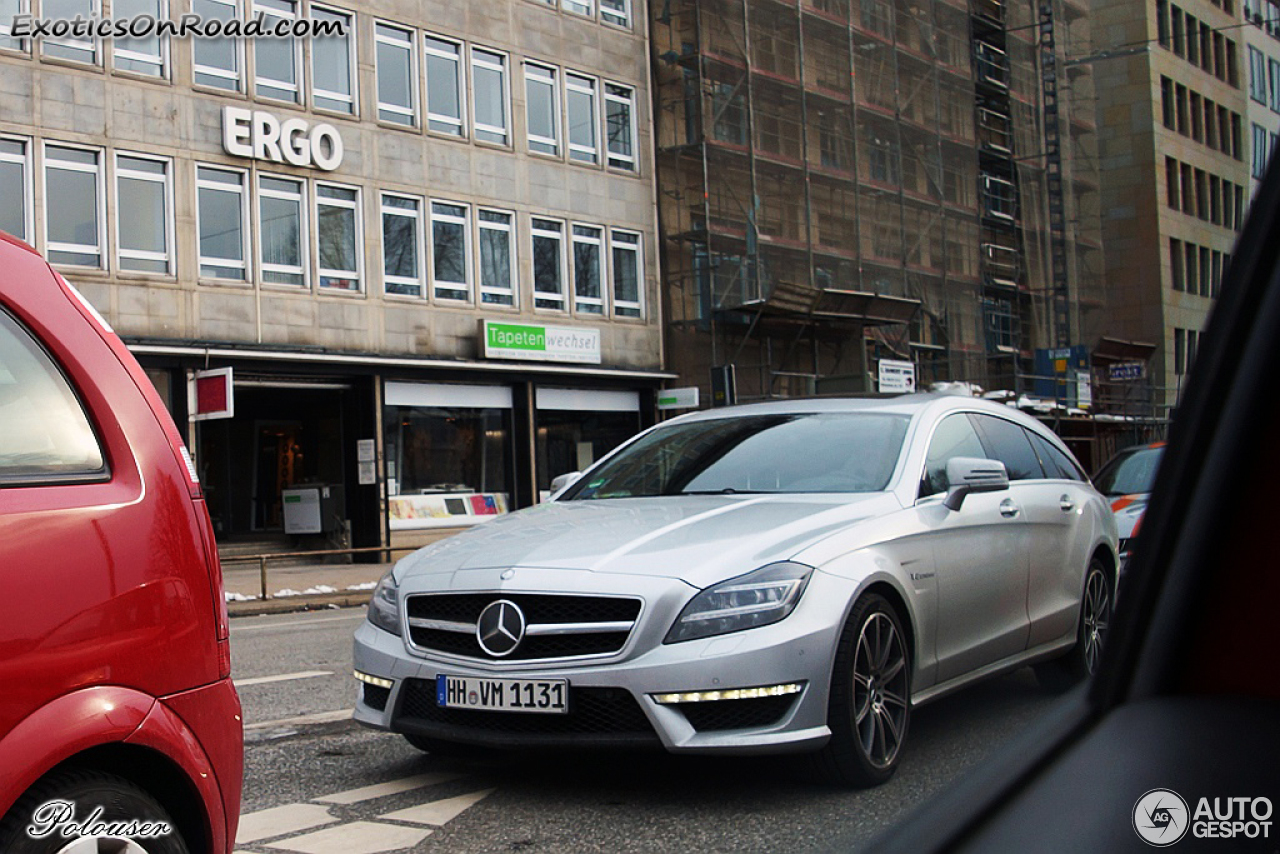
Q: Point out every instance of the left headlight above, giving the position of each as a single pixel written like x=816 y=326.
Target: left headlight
x=384 y=605
x=758 y=598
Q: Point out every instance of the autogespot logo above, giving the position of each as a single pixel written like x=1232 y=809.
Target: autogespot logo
x=1160 y=817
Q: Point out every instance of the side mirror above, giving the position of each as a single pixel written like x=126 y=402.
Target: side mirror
x=967 y=475
x=563 y=482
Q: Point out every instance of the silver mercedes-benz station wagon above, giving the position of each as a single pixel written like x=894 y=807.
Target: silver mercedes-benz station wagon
x=778 y=577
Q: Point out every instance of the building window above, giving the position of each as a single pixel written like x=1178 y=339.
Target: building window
x=1171 y=182
x=15 y=188
x=222 y=222
x=1257 y=75
x=143 y=209
x=397 y=83
x=9 y=8
x=338 y=238
x=588 y=269
x=542 y=103
x=276 y=61
x=450 y=251
x=402 y=245
x=217 y=61
x=548 y=264
x=149 y=55
x=489 y=78
x=1192 y=255
x=628 y=274
x=1206 y=272
x=580 y=98
x=1273 y=74
x=494 y=236
x=445 y=90
x=579 y=7
x=1260 y=151
x=1179 y=351
x=282 y=229
x=77 y=50
x=333 y=72
x=73 y=210
x=620 y=125
x=1166 y=103
x=616 y=12
x=1162 y=22
x=1175 y=265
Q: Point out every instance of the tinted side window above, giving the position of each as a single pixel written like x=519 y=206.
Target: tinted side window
x=1056 y=463
x=955 y=437
x=44 y=433
x=1008 y=443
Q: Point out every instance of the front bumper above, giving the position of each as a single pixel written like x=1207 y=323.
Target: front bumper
x=612 y=699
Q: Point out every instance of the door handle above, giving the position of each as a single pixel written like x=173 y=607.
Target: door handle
x=1066 y=504
x=1008 y=509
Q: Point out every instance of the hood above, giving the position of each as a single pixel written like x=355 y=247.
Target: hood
x=698 y=539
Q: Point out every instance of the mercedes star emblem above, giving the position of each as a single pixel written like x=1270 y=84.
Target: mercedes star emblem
x=500 y=628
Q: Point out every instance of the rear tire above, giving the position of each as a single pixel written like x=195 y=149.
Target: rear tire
x=1095 y=621
x=85 y=790
x=869 y=710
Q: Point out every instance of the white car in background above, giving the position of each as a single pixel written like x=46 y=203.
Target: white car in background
x=1126 y=481
x=779 y=577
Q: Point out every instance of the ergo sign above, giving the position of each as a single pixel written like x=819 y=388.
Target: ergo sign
x=260 y=136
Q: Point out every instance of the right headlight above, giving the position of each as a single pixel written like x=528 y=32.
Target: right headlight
x=758 y=598
x=384 y=605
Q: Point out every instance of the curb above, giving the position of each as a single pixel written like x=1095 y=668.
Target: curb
x=290 y=604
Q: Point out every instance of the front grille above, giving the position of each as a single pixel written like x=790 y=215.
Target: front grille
x=610 y=715
x=375 y=696
x=462 y=611
x=736 y=714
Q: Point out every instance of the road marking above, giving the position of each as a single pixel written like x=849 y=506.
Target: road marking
x=283 y=677
x=294 y=624
x=358 y=837
x=278 y=821
x=381 y=790
x=303 y=720
x=438 y=813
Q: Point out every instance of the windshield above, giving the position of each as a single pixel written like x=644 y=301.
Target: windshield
x=1129 y=472
x=842 y=452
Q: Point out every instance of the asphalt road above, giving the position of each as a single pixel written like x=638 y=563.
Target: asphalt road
x=308 y=771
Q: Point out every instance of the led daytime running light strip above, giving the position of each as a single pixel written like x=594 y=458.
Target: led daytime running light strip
x=730 y=694
x=373 y=680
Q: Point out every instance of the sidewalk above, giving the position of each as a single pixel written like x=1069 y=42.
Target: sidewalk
x=298 y=588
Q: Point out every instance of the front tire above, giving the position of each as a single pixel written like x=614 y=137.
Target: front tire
x=1095 y=621
x=85 y=790
x=869 y=710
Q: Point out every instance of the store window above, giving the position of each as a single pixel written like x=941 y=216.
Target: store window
x=143 y=214
x=338 y=237
x=276 y=60
x=148 y=55
x=218 y=62
x=580 y=99
x=450 y=251
x=489 y=77
x=402 y=245
x=627 y=273
x=283 y=239
x=447 y=450
x=548 y=264
x=15 y=176
x=445 y=86
x=496 y=268
x=397 y=82
x=74 y=49
x=73 y=209
x=579 y=7
x=8 y=9
x=620 y=129
x=616 y=12
x=333 y=63
x=223 y=214
x=542 y=103
x=576 y=427
x=588 y=269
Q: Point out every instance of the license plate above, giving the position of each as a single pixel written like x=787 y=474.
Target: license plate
x=546 y=696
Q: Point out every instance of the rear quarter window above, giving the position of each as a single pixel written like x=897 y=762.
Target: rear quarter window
x=1056 y=464
x=45 y=435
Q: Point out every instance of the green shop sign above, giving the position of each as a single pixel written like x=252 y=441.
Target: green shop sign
x=529 y=342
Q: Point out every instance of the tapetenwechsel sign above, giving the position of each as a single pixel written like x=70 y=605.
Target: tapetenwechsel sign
x=540 y=343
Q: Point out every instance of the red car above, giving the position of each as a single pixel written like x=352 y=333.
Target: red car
x=117 y=715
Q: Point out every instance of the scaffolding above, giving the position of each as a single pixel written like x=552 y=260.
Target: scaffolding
x=848 y=180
